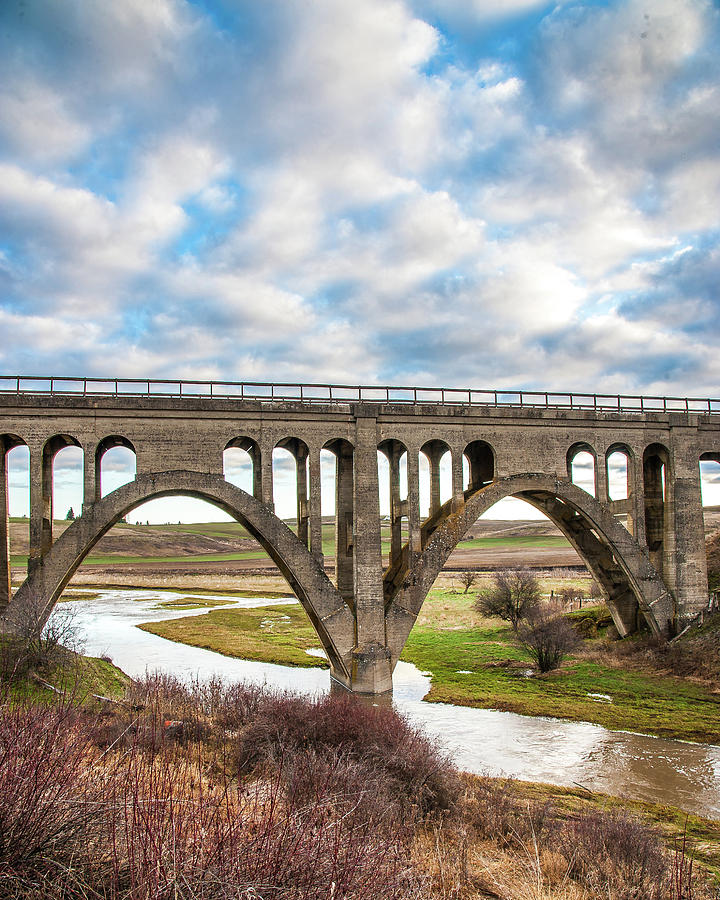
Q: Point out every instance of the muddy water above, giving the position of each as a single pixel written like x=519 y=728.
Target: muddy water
x=485 y=741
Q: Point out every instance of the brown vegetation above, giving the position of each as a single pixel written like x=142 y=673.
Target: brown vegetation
x=228 y=791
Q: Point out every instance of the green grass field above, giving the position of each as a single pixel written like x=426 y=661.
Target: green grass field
x=450 y=640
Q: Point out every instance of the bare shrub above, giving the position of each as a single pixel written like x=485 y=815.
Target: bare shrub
x=617 y=855
x=512 y=595
x=547 y=637
x=48 y=791
x=412 y=767
x=497 y=811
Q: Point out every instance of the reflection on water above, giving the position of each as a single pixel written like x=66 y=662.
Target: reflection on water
x=481 y=740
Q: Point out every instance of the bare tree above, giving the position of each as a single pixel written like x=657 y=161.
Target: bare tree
x=512 y=595
x=547 y=636
x=467 y=580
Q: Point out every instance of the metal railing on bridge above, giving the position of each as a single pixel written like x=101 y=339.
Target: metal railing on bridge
x=340 y=393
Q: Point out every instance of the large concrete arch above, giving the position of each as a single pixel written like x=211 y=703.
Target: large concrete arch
x=330 y=614
x=616 y=560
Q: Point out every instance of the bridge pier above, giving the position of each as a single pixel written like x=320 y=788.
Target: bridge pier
x=688 y=533
x=371 y=664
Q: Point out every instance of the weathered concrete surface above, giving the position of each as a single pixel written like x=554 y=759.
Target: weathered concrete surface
x=653 y=569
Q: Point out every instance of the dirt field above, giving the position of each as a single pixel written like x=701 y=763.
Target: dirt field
x=177 y=555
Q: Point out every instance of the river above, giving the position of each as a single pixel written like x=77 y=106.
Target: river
x=484 y=741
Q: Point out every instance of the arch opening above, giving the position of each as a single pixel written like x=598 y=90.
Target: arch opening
x=393 y=487
x=656 y=463
x=479 y=457
x=302 y=572
x=435 y=477
x=115 y=465
x=581 y=467
x=238 y=451
x=291 y=479
x=343 y=452
x=617 y=461
x=710 y=479
x=13 y=451
x=632 y=586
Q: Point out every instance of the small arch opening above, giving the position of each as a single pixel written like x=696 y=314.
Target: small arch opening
x=241 y=465
x=62 y=478
x=710 y=479
x=581 y=462
x=342 y=480
x=617 y=461
x=435 y=476
x=479 y=463
x=655 y=476
x=115 y=464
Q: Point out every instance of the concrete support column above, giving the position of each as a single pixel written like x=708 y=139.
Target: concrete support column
x=601 y=479
x=256 y=457
x=5 y=590
x=458 y=497
x=40 y=506
x=413 y=505
x=315 y=505
x=395 y=508
x=92 y=486
x=266 y=475
x=688 y=543
x=371 y=667
x=344 y=547
x=302 y=496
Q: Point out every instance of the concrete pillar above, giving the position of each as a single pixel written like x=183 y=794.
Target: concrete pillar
x=302 y=496
x=266 y=475
x=434 y=461
x=344 y=571
x=688 y=542
x=315 y=505
x=40 y=506
x=92 y=485
x=458 y=498
x=257 y=481
x=371 y=667
x=395 y=508
x=413 y=505
x=5 y=590
x=601 y=479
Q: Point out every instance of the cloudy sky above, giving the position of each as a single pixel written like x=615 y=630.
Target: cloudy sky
x=455 y=192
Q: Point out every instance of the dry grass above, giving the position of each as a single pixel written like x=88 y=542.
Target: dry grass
x=231 y=792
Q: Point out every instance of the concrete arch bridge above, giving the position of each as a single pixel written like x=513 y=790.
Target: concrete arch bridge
x=646 y=550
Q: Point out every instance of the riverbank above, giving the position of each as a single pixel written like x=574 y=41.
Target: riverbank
x=475 y=662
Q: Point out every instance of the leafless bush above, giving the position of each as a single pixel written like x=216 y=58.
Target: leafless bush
x=513 y=595
x=617 y=855
x=547 y=637
x=497 y=811
x=413 y=769
x=49 y=793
